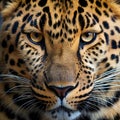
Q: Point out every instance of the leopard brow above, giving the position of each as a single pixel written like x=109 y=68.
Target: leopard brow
x=31 y=29
x=95 y=28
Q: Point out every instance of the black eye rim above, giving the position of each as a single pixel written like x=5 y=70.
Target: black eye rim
x=30 y=39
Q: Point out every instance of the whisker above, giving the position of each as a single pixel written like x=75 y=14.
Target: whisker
x=25 y=105
x=100 y=90
x=104 y=80
x=106 y=86
x=20 y=98
x=110 y=72
x=91 y=105
x=106 y=101
x=22 y=88
x=9 y=77
x=33 y=105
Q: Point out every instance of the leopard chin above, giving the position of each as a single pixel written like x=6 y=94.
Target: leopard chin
x=62 y=113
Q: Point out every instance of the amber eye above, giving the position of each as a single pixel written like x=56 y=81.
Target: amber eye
x=88 y=37
x=34 y=37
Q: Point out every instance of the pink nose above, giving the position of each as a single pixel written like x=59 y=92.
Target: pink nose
x=61 y=92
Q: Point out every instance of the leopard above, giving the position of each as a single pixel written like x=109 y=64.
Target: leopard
x=60 y=60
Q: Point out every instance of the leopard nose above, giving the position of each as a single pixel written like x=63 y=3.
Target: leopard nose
x=61 y=92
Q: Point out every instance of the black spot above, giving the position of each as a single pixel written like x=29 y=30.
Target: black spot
x=113 y=18
x=74 y=18
x=23 y=5
x=83 y=3
x=114 y=44
x=105 y=5
x=28 y=52
x=29 y=18
x=80 y=9
x=13 y=72
x=105 y=24
x=104 y=60
x=7 y=26
x=55 y=15
x=14 y=27
x=11 y=48
x=117 y=29
x=105 y=13
x=106 y=38
x=82 y=22
x=19 y=13
x=42 y=3
x=98 y=11
x=98 y=3
x=17 y=38
x=12 y=62
x=70 y=31
x=21 y=61
x=57 y=24
x=107 y=65
x=115 y=57
x=42 y=21
x=28 y=7
x=22 y=72
x=62 y=40
x=22 y=27
x=34 y=23
x=4 y=44
x=25 y=17
x=95 y=17
x=6 y=58
x=38 y=14
x=95 y=53
x=112 y=32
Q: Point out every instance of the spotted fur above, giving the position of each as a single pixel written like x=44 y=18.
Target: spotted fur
x=60 y=60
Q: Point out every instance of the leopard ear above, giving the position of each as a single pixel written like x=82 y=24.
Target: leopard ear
x=8 y=6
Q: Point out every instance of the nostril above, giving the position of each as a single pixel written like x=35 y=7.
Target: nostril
x=61 y=92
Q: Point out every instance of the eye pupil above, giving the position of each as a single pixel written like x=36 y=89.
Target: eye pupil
x=87 y=34
x=36 y=35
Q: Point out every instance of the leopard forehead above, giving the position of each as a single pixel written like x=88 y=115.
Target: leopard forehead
x=63 y=19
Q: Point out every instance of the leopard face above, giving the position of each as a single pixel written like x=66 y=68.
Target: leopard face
x=60 y=59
